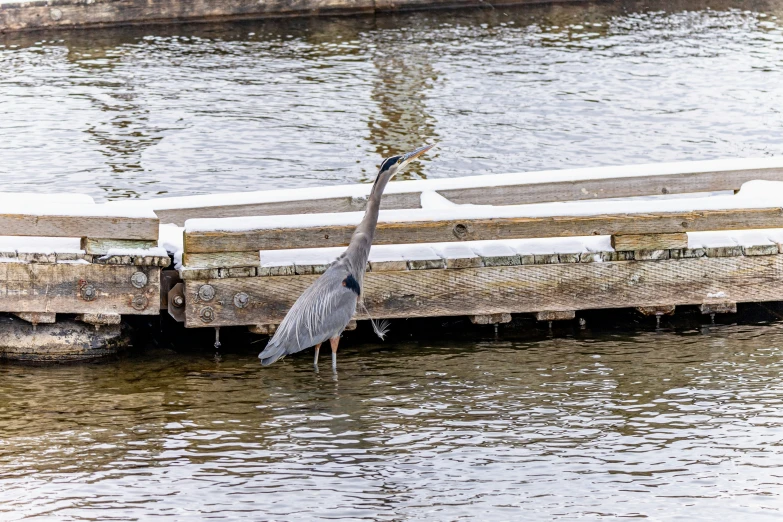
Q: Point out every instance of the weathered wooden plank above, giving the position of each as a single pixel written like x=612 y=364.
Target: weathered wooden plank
x=656 y=310
x=555 y=315
x=521 y=188
x=109 y=227
x=491 y=319
x=510 y=289
x=650 y=255
x=760 y=250
x=725 y=307
x=37 y=317
x=221 y=260
x=78 y=288
x=102 y=246
x=100 y=319
x=708 y=180
x=482 y=229
x=724 y=251
x=630 y=242
x=278 y=208
x=388 y=266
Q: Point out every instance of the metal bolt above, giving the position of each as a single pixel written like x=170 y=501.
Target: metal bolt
x=460 y=230
x=140 y=302
x=56 y=14
x=139 y=279
x=178 y=301
x=206 y=292
x=241 y=300
x=207 y=314
x=89 y=293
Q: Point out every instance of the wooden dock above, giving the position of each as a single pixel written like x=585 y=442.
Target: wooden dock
x=650 y=237
x=31 y=15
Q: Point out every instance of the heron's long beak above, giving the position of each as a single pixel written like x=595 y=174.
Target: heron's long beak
x=407 y=158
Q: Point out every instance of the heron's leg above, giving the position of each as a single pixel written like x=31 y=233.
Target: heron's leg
x=317 y=347
x=334 y=341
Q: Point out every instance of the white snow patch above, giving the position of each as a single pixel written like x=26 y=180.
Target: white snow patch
x=716 y=295
x=431 y=200
x=84 y=210
x=728 y=238
x=41 y=245
x=136 y=252
x=32 y=198
x=170 y=237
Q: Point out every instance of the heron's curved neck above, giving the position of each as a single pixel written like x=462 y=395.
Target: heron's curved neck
x=361 y=241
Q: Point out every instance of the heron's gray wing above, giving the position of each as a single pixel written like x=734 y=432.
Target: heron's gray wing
x=321 y=312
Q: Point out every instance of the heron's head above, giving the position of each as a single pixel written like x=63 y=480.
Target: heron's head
x=397 y=164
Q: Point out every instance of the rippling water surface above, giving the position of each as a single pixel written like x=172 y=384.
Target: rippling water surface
x=671 y=426
x=212 y=108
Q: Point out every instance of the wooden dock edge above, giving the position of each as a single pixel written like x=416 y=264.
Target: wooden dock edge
x=502 y=289
x=67 y=14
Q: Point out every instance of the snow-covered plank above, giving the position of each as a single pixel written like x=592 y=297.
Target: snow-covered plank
x=37 y=199
x=497 y=189
x=411 y=228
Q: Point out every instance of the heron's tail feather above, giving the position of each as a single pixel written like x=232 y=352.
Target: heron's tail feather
x=271 y=353
x=380 y=328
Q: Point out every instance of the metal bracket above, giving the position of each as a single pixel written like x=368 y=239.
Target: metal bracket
x=168 y=278
x=176 y=302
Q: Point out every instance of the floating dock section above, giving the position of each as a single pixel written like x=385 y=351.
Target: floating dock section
x=650 y=237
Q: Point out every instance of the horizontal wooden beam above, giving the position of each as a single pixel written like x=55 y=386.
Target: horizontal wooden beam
x=501 y=189
x=507 y=289
x=389 y=233
x=631 y=242
x=106 y=227
x=79 y=288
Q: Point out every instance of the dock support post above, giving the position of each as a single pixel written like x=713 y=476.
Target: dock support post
x=36 y=318
x=491 y=319
x=556 y=315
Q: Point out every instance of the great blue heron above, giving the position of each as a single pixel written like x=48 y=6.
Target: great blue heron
x=323 y=311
